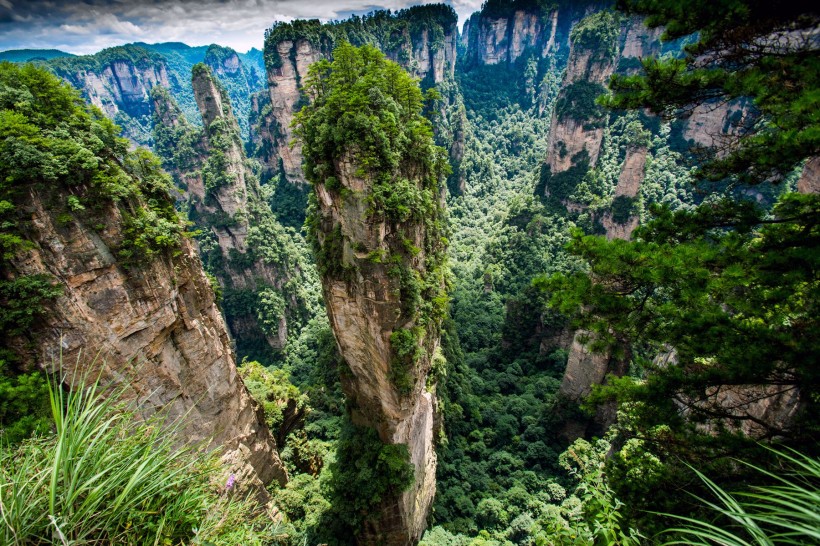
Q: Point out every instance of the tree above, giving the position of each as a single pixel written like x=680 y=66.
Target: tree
x=766 y=51
x=718 y=304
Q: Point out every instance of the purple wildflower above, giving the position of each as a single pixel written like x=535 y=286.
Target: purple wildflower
x=231 y=482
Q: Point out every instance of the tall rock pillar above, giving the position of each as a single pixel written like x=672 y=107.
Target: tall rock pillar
x=376 y=221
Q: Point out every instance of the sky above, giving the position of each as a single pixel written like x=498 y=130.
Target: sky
x=87 y=26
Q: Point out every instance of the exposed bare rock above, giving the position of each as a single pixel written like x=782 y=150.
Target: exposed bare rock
x=117 y=82
x=365 y=310
x=809 y=181
x=383 y=278
x=629 y=183
x=713 y=125
x=421 y=54
x=284 y=84
x=154 y=325
x=570 y=135
x=495 y=36
x=584 y=369
x=232 y=209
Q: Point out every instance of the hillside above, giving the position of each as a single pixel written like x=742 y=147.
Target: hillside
x=550 y=279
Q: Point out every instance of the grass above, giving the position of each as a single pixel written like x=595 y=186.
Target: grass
x=107 y=477
x=787 y=512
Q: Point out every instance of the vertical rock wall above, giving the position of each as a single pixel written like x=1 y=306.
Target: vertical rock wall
x=421 y=54
x=236 y=216
x=153 y=324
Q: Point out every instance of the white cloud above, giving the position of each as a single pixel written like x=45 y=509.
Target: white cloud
x=85 y=26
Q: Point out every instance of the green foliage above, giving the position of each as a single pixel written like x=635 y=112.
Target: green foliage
x=368 y=107
x=623 y=208
x=53 y=142
x=393 y=32
x=405 y=344
x=785 y=512
x=106 y=476
x=23 y=300
x=562 y=185
x=745 y=59
x=585 y=512
x=598 y=33
x=578 y=101
x=24 y=408
x=272 y=388
x=365 y=473
x=747 y=293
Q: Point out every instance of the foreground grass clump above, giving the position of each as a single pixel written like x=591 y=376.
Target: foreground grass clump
x=106 y=477
x=784 y=512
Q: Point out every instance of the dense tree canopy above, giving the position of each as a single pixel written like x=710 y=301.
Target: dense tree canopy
x=717 y=305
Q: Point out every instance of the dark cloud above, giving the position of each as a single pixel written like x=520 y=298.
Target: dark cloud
x=90 y=25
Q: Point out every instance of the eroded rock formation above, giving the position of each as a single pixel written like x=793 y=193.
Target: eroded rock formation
x=424 y=44
x=243 y=244
x=129 y=301
x=377 y=227
x=502 y=34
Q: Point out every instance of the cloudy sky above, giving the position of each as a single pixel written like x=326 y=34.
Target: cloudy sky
x=86 y=26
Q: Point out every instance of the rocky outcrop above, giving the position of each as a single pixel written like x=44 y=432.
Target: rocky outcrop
x=713 y=125
x=502 y=34
x=809 y=181
x=133 y=306
x=155 y=326
x=242 y=243
x=422 y=39
x=577 y=127
x=239 y=80
x=575 y=145
x=263 y=134
x=284 y=85
x=377 y=230
x=118 y=81
x=388 y=352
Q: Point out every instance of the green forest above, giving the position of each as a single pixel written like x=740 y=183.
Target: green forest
x=555 y=284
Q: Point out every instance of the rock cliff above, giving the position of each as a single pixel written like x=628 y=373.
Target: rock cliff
x=377 y=228
x=503 y=32
x=118 y=289
x=267 y=282
x=119 y=80
x=601 y=44
x=422 y=39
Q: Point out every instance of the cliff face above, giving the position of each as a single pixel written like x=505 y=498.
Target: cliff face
x=239 y=81
x=155 y=325
x=601 y=45
x=119 y=80
x=126 y=295
x=365 y=311
x=377 y=229
x=502 y=34
x=422 y=40
x=259 y=264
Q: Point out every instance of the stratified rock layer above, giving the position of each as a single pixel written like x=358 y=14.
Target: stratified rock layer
x=154 y=325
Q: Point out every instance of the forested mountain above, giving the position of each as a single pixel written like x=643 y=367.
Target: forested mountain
x=119 y=80
x=550 y=279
